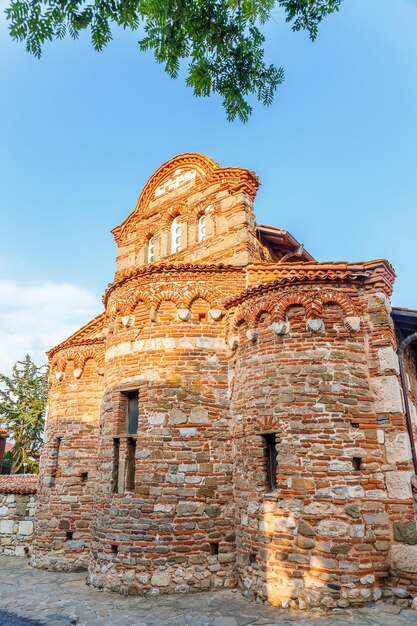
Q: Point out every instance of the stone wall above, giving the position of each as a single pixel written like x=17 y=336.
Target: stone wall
x=320 y=538
x=403 y=483
x=223 y=355
x=68 y=468
x=17 y=509
x=173 y=529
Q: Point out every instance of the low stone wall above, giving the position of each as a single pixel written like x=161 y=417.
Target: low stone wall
x=17 y=509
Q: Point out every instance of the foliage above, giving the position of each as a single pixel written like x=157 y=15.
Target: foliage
x=7 y=463
x=22 y=411
x=221 y=39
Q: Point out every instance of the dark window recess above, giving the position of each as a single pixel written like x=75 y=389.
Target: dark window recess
x=214 y=547
x=115 y=472
x=271 y=457
x=132 y=412
x=130 y=464
x=252 y=558
x=114 y=548
x=69 y=535
x=84 y=477
x=357 y=463
x=55 y=460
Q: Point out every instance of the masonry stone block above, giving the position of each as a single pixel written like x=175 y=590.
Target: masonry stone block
x=25 y=528
x=332 y=528
x=406 y=532
x=388 y=359
x=6 y=527
x=403 y=558
x=388 y=398
x=399 y=484
x=397 y=447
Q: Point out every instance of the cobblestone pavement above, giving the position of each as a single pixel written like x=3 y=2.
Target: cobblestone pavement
x=61 y=599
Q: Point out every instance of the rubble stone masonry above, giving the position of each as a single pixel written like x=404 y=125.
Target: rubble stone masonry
x=233 y=417
x=17 y=508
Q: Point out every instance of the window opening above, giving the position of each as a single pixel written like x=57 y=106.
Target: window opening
x=151 y=250
x=116 y=459
x=202 y=228
x=70 y=535
x=214 y=548
x=114 y=548
x=132 y=412
x=130 y=464
x=271 y=456
x=84 y=477
x=357 y=463
x=55 y=460
x=175 y=235
x=252 y=558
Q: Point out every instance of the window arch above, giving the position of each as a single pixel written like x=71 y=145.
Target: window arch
x=202 y=228
x=175 y=235
x=151 y=250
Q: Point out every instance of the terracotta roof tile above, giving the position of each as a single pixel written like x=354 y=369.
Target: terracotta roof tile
x=18 y=483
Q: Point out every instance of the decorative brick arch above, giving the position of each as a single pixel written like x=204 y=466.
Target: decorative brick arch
x=206 y=171
x=268 y=424
x=209 y=295
x=79 y=355
x=197 y=211
x=266 y=304
x=115 y=307
x=292 y=299
x=146 y=235
x=240 y=317
x=139 y=295
x=91 y=353
x=332 y=296
x=168 y=295
x=58 y=364
x=203 y=166
x=179 y=209
x=64 y=358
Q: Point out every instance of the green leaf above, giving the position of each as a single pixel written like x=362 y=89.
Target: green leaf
x=220 y=39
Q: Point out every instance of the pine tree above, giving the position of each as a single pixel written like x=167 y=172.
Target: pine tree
x=22 y=411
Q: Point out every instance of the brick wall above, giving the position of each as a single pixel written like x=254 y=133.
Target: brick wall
x=226 y=350
x=68 y=469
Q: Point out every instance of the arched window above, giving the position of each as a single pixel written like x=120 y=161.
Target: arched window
x=202 y=228
x=175 y=235
x=151 y=250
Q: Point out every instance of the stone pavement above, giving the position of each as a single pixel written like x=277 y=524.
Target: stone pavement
x=8 y=619
x=61 y=599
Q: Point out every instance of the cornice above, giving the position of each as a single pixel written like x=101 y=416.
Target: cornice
x=372 y=274
x=66 y=345
x=167 y=268
x=82 y=336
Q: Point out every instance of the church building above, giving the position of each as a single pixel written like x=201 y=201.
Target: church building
x=239 y=415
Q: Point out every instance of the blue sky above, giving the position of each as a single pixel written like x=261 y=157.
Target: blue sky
x=81 y=133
